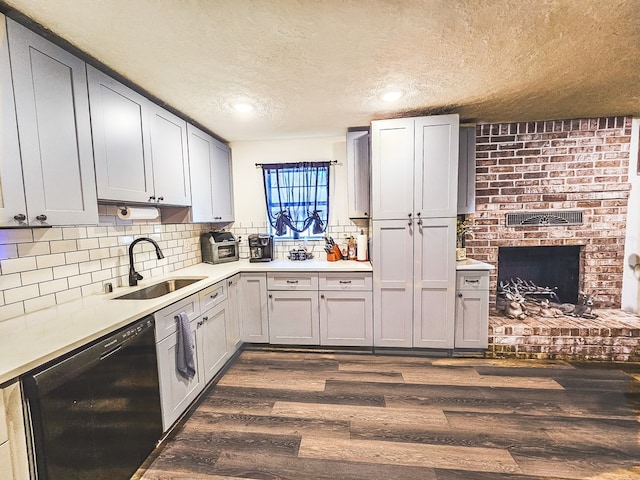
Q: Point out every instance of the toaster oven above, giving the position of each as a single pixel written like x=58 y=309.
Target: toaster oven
x=219 y=247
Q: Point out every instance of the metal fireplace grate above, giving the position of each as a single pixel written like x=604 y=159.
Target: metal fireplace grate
x=545 y=218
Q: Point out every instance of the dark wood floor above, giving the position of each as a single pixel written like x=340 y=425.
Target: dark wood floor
x=302 y=416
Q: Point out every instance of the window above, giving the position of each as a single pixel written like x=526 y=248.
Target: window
x=297 y=198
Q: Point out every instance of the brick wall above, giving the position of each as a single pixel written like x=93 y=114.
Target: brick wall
x=566 y=164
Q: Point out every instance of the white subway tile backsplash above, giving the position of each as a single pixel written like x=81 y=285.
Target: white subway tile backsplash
x=77 y=257
x=68 y=295
x=39 y=303
x=53 y=286
x=99 y=253
x=66 y=271
x=52 y=260
x=88 y=267
x=101 y=275
x=47 y=234
x=79 y=280
x=15 y=236
x=8 y=281
x=63 y=246
x=33 y=249
x=12 y=310
x=70 y=233
x=8 y=251
x=16 y=265
x=88 y=243
x=36 y=276
x=21 y=293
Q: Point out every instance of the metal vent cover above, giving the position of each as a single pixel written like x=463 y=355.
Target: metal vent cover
x=545 y=218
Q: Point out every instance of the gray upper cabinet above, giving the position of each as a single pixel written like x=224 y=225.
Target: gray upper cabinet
x=358 y=174
x=211 y=178
x=52 y=111
x=170 y=158
x=140 y=149
x=467 y=171
x=13 y=206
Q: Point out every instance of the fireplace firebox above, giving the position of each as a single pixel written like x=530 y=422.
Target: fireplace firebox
x=556 y=267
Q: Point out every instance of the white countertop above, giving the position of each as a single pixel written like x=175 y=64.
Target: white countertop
x=471 y=264
x=31 y=340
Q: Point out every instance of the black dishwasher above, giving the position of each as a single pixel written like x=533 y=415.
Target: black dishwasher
x=95 y=413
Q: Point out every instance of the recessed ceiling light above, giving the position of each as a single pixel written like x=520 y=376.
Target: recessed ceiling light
x=243 y=107
x=392 y=95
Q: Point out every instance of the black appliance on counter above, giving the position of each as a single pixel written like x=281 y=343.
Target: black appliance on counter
x=219 y=247
x=260 y=247
x=95 y=413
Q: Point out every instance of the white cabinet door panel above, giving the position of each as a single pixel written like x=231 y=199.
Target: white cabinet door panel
x=52 y=111
x=359 y=174
x=222 y=183
x=392 y=159
x=254 y=315
x=346 y=318
x=234 y=337
x=434 y=283
x=121 y=136
x=436 y=167
x=12 y=201
x=200 y=166
x=472 y=319
x=294 y=318
x=171 y=182
x=212 y=340
x=467 y=171
x=393 y=283
x=176 y=392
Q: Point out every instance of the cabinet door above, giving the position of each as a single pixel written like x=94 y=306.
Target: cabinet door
x=201 y=169
x=233 y=314
x=393 y=283
x=12 y=201
x=346 y=318
x=434 y=283
x=52 y=111
x=293 y=317
x=176 y=392
x=254 y=316
x=472 y=319
x=222 y=183
x=120 y=125
x=467 y=170
x=212 y=340
x=392 y=161
x=358 y=174
x=171 y=183
x=436 y=167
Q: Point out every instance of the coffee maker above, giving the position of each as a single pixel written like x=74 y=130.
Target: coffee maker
x=260 y=247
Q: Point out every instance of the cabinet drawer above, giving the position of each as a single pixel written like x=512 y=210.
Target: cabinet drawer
x=212 y=296
x=292 y=281
x=165 y=318
x=346 y=281
x=472 y=281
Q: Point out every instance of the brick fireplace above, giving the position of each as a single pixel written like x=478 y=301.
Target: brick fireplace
x=565 y=165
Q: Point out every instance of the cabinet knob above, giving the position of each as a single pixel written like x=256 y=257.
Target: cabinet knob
x=418 y=213
x=160 y=199
x=270 y=296
x=459 y=295
x=409 y=214
x=204 y=319
x=322 y=296
x=41 y=218
x=152 y=198
x=21 y=217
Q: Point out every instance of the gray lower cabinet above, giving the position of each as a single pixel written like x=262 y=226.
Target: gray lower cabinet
x=472 y=309
x=254 y=319
x=14 y=462
x=234 y=338
x=346 y=309
x=211 y=336
x=293 y=308
x=52 y=112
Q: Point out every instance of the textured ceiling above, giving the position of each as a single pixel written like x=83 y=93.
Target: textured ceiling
x=316 y=67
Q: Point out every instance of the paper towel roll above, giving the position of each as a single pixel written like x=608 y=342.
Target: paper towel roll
x=361 y=246
x=138 y=213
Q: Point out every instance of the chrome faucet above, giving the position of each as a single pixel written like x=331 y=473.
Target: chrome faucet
x=133 y=275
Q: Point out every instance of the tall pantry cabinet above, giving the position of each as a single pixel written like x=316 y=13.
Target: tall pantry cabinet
x=414 y=188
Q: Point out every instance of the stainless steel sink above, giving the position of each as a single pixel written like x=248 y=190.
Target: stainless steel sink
x=159 y=289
